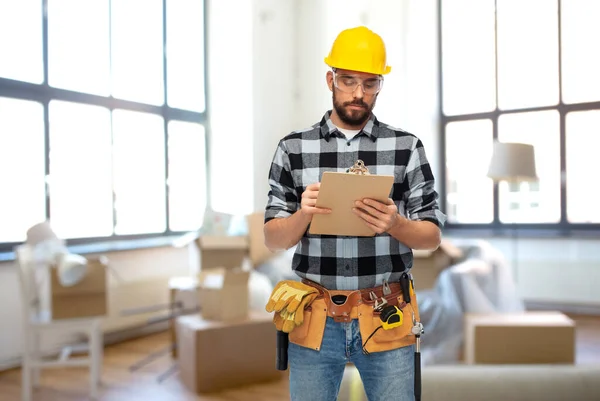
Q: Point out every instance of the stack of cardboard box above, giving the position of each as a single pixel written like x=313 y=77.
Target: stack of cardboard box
x=225 y=345
x=223 y=280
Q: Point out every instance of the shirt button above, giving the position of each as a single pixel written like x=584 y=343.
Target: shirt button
x=348 y=143
x=347 y=267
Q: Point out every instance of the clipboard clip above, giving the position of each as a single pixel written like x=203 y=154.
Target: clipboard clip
x=359 y=168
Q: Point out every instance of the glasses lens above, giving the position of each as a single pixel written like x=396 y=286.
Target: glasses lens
x=348 y=83
x=371 y=86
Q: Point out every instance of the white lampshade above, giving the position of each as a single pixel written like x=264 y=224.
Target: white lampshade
x=513 y=162
x=44 y=242
x=47 y=248
x=41 y=232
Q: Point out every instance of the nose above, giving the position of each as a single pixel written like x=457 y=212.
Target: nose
x=359 y=93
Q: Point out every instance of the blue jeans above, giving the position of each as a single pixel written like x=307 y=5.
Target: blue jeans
x=317 y=375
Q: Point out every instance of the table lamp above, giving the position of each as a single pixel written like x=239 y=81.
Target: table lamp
x=51 y=250
x=513 y=162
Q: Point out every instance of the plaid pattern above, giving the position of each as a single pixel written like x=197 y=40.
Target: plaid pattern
x=349 y=263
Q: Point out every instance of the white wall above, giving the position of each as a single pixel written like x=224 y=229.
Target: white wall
x=252 y=96
x=230 y=102
x=275 y=85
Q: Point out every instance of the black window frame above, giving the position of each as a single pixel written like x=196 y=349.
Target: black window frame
x=44 y=93
x=563 y=228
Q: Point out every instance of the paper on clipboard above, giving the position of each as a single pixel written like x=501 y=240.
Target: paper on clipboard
x=338 y=192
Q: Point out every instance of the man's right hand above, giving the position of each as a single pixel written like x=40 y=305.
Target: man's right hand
x=309 y=201
x=283 y=233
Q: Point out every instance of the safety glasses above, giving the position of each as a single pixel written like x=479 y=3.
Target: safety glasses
x=348 y=83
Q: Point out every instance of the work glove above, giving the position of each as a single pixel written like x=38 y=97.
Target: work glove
x=285 y=321
x=289 y=294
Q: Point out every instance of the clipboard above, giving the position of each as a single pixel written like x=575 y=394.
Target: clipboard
x=339 y=191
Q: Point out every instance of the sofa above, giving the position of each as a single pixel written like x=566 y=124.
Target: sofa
x=511 y=383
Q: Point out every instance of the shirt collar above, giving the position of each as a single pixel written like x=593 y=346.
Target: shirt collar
x=328 y=128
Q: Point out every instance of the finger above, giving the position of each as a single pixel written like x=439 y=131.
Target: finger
x=313 y=187
x=375 y=204
x=320 y=210
x=370 y=221
x=369 y=209
x=310 y=194
x=311 y=205
x=369 y=218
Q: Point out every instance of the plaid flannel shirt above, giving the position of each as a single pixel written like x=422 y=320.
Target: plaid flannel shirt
x=349 y=263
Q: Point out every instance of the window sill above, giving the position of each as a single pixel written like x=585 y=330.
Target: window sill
x=120 y=245
x=526 y=233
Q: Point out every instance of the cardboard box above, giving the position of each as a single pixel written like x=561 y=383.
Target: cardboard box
x=87 y=298
x=519 y=338
x=222 y=251
x=218 y=355
x=224 y=294
x=427 y=265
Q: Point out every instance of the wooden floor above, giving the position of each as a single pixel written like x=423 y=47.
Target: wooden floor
x=120 y=384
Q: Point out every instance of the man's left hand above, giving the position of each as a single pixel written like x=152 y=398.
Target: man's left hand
x=380 y=217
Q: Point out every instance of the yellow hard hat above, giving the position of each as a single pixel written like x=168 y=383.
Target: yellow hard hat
x=359 y=49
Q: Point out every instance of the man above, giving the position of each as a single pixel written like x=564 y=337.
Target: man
x=411 y=219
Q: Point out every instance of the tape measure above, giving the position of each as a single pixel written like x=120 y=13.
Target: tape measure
x=391 y=317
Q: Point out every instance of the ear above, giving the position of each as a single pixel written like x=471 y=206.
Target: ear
x=329 y=78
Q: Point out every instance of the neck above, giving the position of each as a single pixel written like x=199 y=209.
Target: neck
x=335 y=118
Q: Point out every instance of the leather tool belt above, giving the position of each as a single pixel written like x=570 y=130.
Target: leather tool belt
x=344 y=306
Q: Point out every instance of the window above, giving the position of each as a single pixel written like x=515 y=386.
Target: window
x=102 y=118
x=139 y=181
x=21 y=41
x=22 y=167
x=503 y=80
x=80 y=184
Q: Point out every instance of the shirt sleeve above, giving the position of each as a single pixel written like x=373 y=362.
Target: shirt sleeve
x=421 y=199
x=283 y=199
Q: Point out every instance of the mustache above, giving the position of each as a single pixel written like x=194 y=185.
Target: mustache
x=356 y=103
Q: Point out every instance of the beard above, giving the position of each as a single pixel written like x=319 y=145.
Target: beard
x=350 y=116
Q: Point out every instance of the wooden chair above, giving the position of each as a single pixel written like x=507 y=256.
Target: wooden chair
x=37 y=323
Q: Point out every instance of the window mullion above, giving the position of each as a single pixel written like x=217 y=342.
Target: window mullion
x=46 y=103
x=563 y=134
x=496 y=196
x=496 y=220
x=563 y=167
x=166 y=117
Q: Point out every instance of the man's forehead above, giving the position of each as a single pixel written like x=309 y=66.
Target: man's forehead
x=363 y=75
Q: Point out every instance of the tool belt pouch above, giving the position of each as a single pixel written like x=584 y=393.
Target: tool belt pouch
x=310 y=333
x=386 y=340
